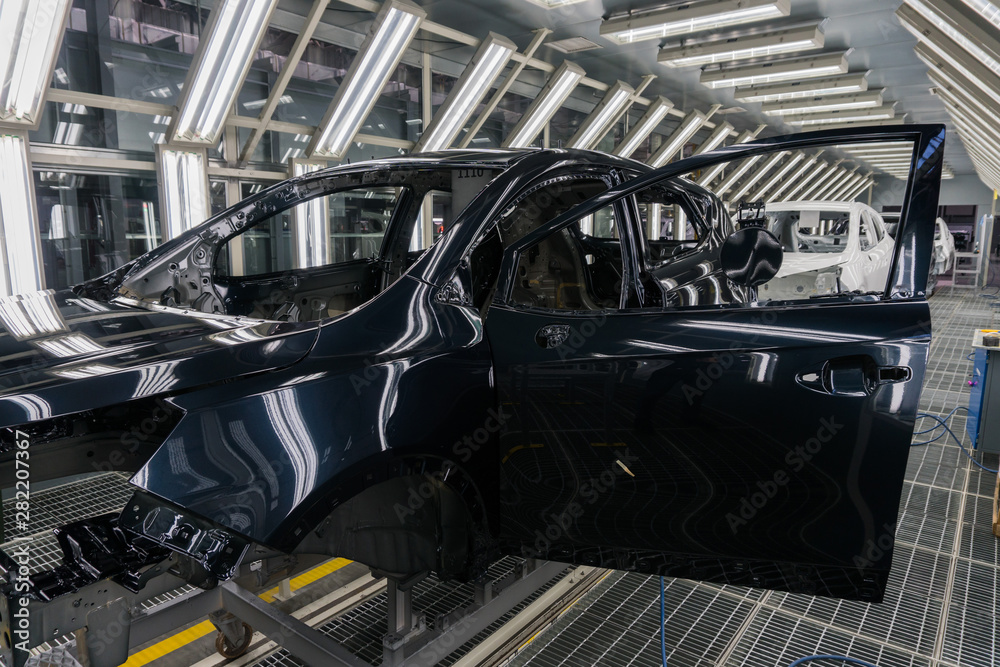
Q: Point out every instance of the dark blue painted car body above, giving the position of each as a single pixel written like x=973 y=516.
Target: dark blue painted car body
x=430 y=429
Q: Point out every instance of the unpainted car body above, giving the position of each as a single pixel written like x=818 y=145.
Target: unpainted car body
x=543 y=380
x=846 y=248
x=944 y=248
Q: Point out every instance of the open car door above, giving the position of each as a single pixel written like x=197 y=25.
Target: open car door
x=676 y=422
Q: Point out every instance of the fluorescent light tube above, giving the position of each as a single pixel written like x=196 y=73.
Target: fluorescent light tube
x=804 y=182
x=777 y=42
x=793 y=179
x=872 y=98
x=835 y=184
x=479 y=76
x=687 y=129
x=18 y=227
x=33 y=35
x=310 y=223
x=650 y=120
x=944 y=48
x=733 y=176
x=986 y=9
x=848 y=116
x=965 y=30
x=690 y=17
x=776 y=176
x=752 y=179
x=603 y=117
x=778 y=70
x=856 y=82
x=831 y=170
x=184 y=184
x=391 y=33
x=553 y=94
x=709 y=174
x=554 y=4
x=715 y=139
x=226 y=51
x=952 y=79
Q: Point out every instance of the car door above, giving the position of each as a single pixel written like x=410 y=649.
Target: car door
x=737 y=440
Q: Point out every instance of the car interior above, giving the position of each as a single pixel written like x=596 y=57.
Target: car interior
x=336 y=252
x=811 y=231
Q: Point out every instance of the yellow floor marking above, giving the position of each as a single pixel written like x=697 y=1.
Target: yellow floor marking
x=196 y=632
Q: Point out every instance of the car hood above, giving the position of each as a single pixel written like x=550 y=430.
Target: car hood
x=61 y=353
x=793 y=263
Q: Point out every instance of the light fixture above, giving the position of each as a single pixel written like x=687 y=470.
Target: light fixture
x=554 y=4
x=839 y=194
x=184 y=184
x=310 y=222
x=733 y=176
x=603 y=117
x=688 y=17
x=848 y=187
x=835 y=184
x=687 y=129
x=821 y=167
x=479 y=76
x=847 y=116
x=709 y=174
x=33 y=34
x=793 y=178
x=946 y=76
x=871 y=98
x=721 y=50
x=855 y=82
x=553 y=94
x=391 y=33
x=719 y=134
x=18 y=230
x=777 y=70
x=752 y=179
x=863 y=122
x=964 y=28
x=764 y=188
x=831 y=170
x=978 y=65
x=225 y=52
x=986 y=9
x=656 y=112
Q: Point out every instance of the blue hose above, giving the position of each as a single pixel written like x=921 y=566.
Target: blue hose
x=944 y=424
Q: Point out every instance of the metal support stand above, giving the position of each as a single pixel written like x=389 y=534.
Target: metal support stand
x=236 y=611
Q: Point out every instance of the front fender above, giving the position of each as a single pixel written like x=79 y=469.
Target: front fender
x=405 y=378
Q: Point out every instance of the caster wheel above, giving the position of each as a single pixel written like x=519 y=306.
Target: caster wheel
x=227 y=650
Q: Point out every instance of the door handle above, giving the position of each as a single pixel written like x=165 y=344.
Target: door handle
x=852 y=376
x=552 y=335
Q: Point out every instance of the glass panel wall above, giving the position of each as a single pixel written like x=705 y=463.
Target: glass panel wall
x=92 y=224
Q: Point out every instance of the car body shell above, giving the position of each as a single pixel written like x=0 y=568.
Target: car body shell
x=442 y=423
x=854 y=268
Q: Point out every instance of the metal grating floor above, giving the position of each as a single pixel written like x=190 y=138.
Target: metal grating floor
x=360 y=630
x=941 y=607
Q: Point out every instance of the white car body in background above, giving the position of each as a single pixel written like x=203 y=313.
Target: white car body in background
x=829 y=247
x=944 y=248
